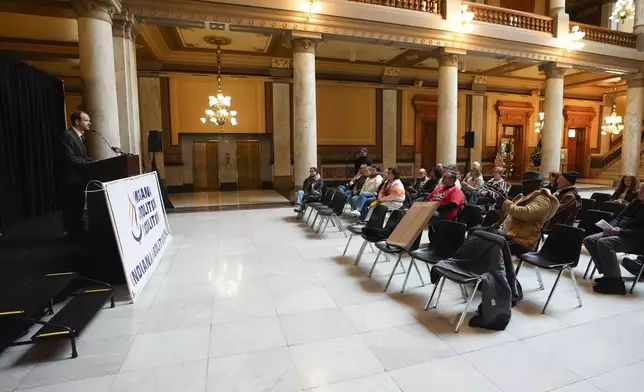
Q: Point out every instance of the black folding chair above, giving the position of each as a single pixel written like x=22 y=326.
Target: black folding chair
x=586 y=204
x=394 y=218
x=448 y=237
x=325 y=201
x=323 y=205
x=383 y=247
x=470 y=215
x=560 y=252
x=514 y=191
x=614 y=206
x=588 y=224
x=600 y=198
x=332 y=214
x=377 y=219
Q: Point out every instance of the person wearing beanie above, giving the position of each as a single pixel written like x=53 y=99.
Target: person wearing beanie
x=569 y=201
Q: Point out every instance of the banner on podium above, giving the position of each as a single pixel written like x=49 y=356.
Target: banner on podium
x=140 y=226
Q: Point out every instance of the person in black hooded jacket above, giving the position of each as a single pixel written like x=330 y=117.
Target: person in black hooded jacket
x=627 y=235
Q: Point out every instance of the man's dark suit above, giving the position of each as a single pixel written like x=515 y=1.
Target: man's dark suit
x=73 y=160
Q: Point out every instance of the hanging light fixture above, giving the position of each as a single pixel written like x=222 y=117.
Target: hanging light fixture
x=310 y=7
x=538 y=126
x=574 y=39
x=613 y=124
x=624 y=9
x=465 y=18
x=218 y=111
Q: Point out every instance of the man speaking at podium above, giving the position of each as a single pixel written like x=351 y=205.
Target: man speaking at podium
x=74 y=158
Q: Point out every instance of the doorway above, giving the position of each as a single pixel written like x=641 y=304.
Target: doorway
x=205 y=164
x=576 y=146
x=428 y=143
x=249 y=164
x=511 y=149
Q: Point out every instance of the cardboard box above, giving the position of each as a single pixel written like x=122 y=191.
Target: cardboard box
x=412 y=224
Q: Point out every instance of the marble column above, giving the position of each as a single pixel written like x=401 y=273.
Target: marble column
x=477 y=126
x=638 y=24
x=389 y=128
x=446 y=139
x=151 y=118
x=282 y=174
x=125 y=30
x=96 y=52
x=633 y=124
x=304 y=109
x=553 y=108
x=607 y=109
x=607 y=10
x=561 y=20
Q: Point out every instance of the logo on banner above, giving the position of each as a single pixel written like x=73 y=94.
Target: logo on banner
x=143 y=212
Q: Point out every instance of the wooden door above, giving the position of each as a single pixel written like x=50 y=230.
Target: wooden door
x=511 y=143
x=428 y=143
x=576 y=146
x=249 y=164
x=205 y=164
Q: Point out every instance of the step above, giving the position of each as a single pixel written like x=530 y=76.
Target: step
x=76 y=314
x=34 y=296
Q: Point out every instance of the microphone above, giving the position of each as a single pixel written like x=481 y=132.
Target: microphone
x=116 y=150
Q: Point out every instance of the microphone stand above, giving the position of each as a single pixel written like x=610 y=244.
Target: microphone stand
x=117 y=151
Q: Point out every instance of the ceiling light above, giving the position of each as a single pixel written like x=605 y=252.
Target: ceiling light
x=574 y=39
x=465 y=18
x=310 y=7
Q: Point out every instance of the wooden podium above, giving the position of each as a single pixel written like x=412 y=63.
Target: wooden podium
x=108 y=268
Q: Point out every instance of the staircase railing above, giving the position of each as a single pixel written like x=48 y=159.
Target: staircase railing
x=602 y=161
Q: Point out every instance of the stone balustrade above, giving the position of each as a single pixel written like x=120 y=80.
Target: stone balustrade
x=508 y=17
x=431 y=6
x=606 y=36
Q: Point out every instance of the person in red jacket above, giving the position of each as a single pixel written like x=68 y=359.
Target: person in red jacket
x=449 y=197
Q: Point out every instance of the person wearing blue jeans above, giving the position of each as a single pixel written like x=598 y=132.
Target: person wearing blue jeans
x=368 y=192
x=299 y=195
x=355 y=183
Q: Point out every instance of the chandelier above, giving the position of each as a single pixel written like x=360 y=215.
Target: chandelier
x=310 y=7
x=613 y=124
x=538 y=126
x=574 y=40
x=219 y=105
x=465 y=18
x=624 y=9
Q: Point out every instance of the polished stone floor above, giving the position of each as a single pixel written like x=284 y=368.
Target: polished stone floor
x=227 y=198
x=250 y=301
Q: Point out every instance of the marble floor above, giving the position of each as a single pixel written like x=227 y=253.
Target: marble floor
x=227 y=198
x=250 y=301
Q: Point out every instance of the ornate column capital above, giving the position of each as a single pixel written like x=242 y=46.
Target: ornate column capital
x=635 y=80
x=304 y=45
x=479 y=84
x=281 y=68
x=97 y=9
x=125 y=25
x=554 y=70
x=448 y=60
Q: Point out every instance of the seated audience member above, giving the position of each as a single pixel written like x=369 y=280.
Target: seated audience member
x=626 y=191
x=472 y=182
x=553 y=181
x=627 y=236
x=311 y=190
x=526 y=214
x=494 y=188
x=414 y=189
x=450 y=199
x=391 y=193
x=569 y=201
x=440 y=179
x=356 y=182
x=368 y=192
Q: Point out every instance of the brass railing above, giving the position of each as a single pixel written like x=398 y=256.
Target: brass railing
x=606 y=36
x=431 y=6
x=507 y=17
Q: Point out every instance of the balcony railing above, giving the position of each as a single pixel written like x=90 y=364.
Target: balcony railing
x=507 y=17
x=606 y=36
x=431 y=6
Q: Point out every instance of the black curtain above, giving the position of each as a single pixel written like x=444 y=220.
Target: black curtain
x=32 y=116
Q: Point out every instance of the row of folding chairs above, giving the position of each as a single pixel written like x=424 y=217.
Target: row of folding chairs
x=327 y=210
